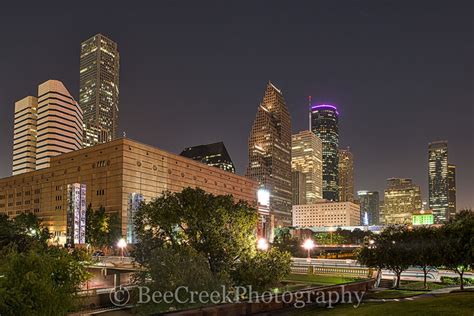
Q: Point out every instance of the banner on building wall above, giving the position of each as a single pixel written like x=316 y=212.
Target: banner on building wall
x=76 y=214
x=134 y=201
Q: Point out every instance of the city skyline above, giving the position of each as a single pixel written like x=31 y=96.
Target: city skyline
x=382 y=160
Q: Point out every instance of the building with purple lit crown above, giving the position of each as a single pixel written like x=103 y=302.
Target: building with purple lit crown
x=324 y=123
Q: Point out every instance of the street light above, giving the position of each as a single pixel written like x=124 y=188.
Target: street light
x=308 y=245
x=121 y=244
x=262 y=244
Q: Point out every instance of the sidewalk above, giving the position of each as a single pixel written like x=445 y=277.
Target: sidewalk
x=430 y=293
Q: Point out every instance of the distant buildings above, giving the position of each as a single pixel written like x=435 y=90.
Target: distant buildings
x=117 y=175
x=422 y=218
x=99 y=89
x=269 y=154
x=46 y=126
x=369 y=207
x=214 y=155
x=306 y=158
x=439 y=183
x=452 y=190
x=326 y=214
x=346 y=175
x=402 y=199
x=298 y=185
x=324 y=124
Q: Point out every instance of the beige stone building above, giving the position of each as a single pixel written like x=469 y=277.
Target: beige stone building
x=401 y=199
x=117 y=175
x=326 y=213
x=346 y=175
x=24 y=135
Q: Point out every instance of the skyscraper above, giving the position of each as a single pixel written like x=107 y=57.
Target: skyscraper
x=24 y=135
x=215 y=155
x=369 y=207
x=306 y=157
x=438 y=180
x=402 y=199
x=99 y=89
x=298 y=186
x=270 y=154
x=452 y=190
x=59 y=124
x=346 y=175
x=324 y=123
x=46 y=126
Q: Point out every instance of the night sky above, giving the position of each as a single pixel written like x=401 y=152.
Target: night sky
x=194 y=72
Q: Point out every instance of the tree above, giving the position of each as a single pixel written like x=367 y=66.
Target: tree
x=39 y=281
x=24 y=231
x=264 y=270
x=102 y=229
x=458 y=244
x=215 y=226
x=424 y=242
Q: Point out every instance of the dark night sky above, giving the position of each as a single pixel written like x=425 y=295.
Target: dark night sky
x=194 y=72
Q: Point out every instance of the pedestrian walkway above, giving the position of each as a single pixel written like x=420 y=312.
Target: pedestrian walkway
x=445 y=290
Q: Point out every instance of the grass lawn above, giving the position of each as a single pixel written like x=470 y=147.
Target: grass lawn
x=393 y=294
x=456 y=304
x=319 y=279
x=416 y=285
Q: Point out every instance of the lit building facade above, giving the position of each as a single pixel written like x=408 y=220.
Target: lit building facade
x=346 y=175
x=325 y=124
x=306 y=157
x=438 y=180
x=45 y=126
x=423 y=218
x=59 y=124
x=298 y=185
x=326 y=214
x=270 y=155
x=117 y=175
x=215 y=155
x=401 y=199
x=99 y=89
x=24 y=135
x=452 y=190
x=369 y=207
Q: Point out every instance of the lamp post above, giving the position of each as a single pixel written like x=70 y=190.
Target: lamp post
x=308 y=245
x=262 y=244
x=121 y=244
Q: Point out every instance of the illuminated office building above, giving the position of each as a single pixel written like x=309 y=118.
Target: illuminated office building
x=346 y=175
x=452 y=190
x=438 y=180
x=298 y=186
x=369 y=207
x=269 y=155
x=402 y=199
x=323 y=213
x=306 y=158
x=99 y=89
x=215 y=155
x=24 y=135
x=324 y=124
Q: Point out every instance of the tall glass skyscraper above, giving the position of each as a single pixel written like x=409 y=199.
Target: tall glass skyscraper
x=99 y=89
x=369 y=207
x=346 y=175
x=270 y=154
x=438 y=180
x=324 y=123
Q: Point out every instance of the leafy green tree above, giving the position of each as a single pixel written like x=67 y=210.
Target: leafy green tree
x=102 y=229
x=24 y=231
x=285 y=242
x=457 y=244
x=264 y=270
x=424 y=242
x=39 y=281
x=215 y=226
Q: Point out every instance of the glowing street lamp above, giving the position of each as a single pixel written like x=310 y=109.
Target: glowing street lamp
x=262 y=244
x=308 y=245
x=121 y=244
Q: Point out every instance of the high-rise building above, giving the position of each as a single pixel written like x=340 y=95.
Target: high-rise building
x=99 y=89
x=270 y=155
x=298 y=185
x=324 y=123
x=346 y=175
x=401 y=199
x=215 y=155
x=306 y=157
x=24 y=135
x=59 y=124
x=452 y=190
x=438 y=180
x=369 y=207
